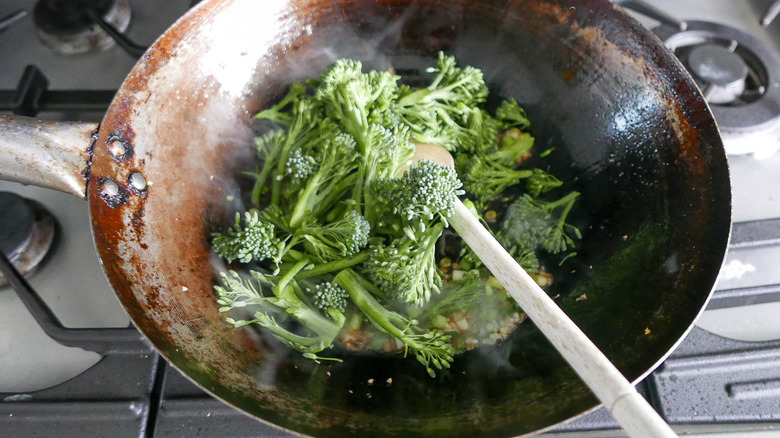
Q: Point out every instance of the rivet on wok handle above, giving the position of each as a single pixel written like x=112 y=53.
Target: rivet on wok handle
x=137 y=181
x=118 y=146
x=112 y=192
x=110 y=188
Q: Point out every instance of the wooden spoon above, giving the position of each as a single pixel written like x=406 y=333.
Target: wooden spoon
x=627 y=406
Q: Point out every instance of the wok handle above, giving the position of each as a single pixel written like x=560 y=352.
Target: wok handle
x=627 y=406
x=49 y=154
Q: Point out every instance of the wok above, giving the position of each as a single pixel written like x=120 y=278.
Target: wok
x=629 y=130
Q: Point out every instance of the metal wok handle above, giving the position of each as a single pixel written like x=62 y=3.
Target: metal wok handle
x=54 y=155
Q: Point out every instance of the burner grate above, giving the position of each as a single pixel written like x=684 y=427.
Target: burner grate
x=730 y=53
x=116 y=396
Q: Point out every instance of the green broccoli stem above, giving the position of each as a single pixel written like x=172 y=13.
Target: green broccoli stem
x=311 y=203
x=276 y=183
x=325 y=330
x=567 y=201
x=333 y=266
x=320 y=209
x=432 y=92
x=369 y=210
x=285 y=293
x=382 y=318
x=275 y=113
x=261 y=177
x=358 y=190
x=429 y=95
x=352 y=117
x=323 y=189
x=301 y=131
x=431 y=348
x=508 y=177
x=304 y=201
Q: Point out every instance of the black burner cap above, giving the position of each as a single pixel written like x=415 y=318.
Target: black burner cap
x=16 y=222
x=64 y=17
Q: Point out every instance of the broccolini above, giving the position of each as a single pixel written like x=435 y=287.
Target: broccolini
x=341 y=227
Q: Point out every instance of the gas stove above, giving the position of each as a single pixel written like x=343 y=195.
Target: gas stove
x=72 y=365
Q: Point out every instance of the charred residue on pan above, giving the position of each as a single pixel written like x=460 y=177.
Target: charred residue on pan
x=87 y=172
x=137 y=220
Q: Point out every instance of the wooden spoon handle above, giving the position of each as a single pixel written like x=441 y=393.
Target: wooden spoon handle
x=627 y=406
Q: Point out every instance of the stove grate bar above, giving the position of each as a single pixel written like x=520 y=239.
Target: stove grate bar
x=99 y=340
x=755 y=234
x=32 y=96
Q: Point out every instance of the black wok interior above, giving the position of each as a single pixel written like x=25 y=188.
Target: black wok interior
x=630 y=132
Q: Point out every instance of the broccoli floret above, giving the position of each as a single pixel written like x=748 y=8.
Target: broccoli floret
x=446 y=113
x=526 y=257
x=352 y=97
x=452 y=84
x=382 y=159
x=363 y=106
x=269 y=148
x=334 y=240
x=432 y=348
x=388 y=152
x=532 y=223
x=306 y=128
x=481 y=133
x=300 y=167
x=511 y=115
x=327 y=295
x=276 y=113
x=514 y=147
x=254 y=240
x=488 y=172
x=485 y=177
x=541 y=182
x=384 y=86
x=406 y=268
x=237 y=292
x=334 y=177
x=425 y=190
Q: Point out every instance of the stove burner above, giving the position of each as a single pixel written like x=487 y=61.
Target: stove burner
x=26 y=232
x=723 y=73
x=67 y=27
x=738 y=73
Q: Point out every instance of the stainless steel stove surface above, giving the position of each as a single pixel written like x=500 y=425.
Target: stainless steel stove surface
x=102 y=379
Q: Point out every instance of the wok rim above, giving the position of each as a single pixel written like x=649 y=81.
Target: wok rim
x=94 y=198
